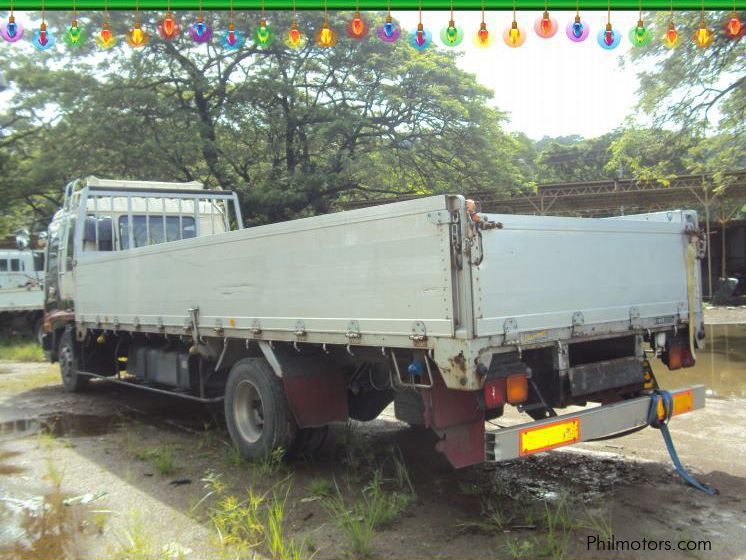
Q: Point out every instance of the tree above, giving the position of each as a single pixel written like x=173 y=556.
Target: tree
x=293 y=131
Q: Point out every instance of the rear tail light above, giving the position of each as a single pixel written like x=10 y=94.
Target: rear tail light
x=517 y=388
x=494 y=392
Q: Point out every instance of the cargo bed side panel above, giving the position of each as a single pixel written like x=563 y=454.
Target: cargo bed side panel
x=384 y=268
x=539 y=271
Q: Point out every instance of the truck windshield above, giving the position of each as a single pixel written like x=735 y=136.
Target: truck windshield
x=150 y=230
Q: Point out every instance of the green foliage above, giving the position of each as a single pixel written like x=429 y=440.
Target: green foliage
x=687 y=85
x=293 y=131
x=20 y=350
x=375 y=508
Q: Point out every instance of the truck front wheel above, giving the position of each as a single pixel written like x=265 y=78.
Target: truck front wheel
x=68 y=354
x=256 y=410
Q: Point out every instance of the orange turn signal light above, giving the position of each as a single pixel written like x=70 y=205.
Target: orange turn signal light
x=517 y=388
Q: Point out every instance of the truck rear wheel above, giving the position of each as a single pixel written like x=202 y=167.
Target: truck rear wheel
x=256 y=410
x=68 y=353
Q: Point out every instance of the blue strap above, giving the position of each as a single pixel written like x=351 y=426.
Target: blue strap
x=666 y=398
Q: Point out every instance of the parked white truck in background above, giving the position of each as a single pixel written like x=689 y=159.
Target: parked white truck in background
x=448 y=313
x=21 y=295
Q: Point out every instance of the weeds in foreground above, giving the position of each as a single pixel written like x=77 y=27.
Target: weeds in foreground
x=375 y=508
x=19 y=349
x=254 y=522
x=135 y=544
x=557 y=524
x=162 y=457
x=321 y=488
x=30 y=380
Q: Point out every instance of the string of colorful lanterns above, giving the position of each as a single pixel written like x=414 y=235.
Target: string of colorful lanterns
x=419 y=38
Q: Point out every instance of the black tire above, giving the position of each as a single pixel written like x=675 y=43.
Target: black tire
x=308 y=441
x=69 y=352
x=256 y=410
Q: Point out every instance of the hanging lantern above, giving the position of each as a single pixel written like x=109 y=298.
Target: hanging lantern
x=514 y=36
x=137 y=36
x=483 y=38
x=199 y=31
x=546 y=26
x=734 y=28
x=42 y=39
x=451 y=35
x=167 y=28
x=264 y=34
x=74 y=36
x=326 y=36
x=389 y=32
x=608 y=38
x=105 y=39
x=420 y=38
x=357 y=28
x=577 y=31
x=703 y=37
x=11 y=31
x=295 y=38
x=232 y=40
x=671 y=37
x=640 y=35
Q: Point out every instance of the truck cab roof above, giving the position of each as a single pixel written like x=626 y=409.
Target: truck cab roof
x=93 y=181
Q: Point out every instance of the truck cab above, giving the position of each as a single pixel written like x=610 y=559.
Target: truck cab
x=21 y=298
x=118 y=215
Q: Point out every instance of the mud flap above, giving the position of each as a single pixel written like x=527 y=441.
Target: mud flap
x=463 y=445
x=459 y=421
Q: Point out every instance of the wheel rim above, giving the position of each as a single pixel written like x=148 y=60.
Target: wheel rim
x=248 y=410
x=66 y=363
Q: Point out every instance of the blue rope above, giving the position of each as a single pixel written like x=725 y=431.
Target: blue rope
x=666 y=398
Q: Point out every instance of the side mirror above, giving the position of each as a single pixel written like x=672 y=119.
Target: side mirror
x=23 y=239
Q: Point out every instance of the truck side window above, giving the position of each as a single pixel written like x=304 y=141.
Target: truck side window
x=105 y=242
x=70 y=248
x=38 y=261
x=15 y=265
x=154 y=225
x=3 y=265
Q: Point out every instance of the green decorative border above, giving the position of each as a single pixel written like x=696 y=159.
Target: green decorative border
x=461 y=5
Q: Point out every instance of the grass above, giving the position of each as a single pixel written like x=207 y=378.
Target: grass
x=374 y=509
x=135 y=544
x=321 y=488
x=18 y=349
x=161 y=457
x=257 y=521
x=30 y=380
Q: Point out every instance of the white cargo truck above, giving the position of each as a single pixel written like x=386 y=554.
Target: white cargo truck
x=21 y=295
x=448 y=313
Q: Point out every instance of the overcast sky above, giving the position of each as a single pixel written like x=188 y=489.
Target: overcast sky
x=551 y=87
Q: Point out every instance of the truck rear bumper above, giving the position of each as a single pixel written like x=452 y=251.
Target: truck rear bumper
x=585 y=425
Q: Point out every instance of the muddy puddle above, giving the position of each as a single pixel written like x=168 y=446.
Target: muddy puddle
x=62 y=425
x=721 y=366
x=48 y=525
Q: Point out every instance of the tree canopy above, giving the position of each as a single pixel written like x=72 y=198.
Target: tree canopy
x=292 y=131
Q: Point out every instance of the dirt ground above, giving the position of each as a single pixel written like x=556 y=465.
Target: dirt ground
x=119 y=473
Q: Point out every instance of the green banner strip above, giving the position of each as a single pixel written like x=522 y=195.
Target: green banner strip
x=459 y=5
